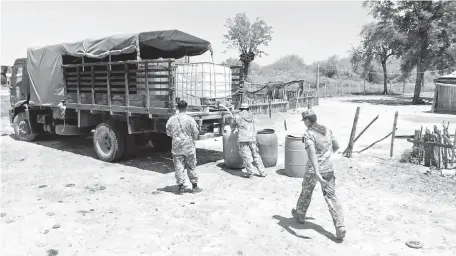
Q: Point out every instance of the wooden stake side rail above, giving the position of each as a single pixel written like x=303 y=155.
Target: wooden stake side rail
x=116 y=108
x=118 y=63
x=140 y=84
x=141 y=110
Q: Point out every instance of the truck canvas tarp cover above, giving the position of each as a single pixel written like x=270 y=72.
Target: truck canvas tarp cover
x=44 y=64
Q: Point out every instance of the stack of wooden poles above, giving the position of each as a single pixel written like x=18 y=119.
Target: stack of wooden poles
x=435 y=148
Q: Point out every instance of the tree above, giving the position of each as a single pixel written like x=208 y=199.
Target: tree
x=380 y=41
x=329 y=67
x=247 y=37
x=232 y=62
x=430 y=27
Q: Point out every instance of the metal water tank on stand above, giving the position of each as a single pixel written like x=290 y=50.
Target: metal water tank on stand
x=268 y=146
x=295 y=156
x=231 y=154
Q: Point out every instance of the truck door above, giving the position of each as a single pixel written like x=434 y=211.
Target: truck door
x=20 y=89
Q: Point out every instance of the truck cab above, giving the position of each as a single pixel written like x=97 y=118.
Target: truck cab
x=20 y=83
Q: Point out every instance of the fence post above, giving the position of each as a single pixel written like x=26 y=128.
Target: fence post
x=296 y=98
x=349 y=150
x=393 y=133
x=309 y=105
x=403 y=88
x=318 y=79
x=325 y=91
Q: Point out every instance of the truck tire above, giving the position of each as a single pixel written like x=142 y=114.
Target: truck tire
x=109 y=142
x=162 y=143
x=22 y=128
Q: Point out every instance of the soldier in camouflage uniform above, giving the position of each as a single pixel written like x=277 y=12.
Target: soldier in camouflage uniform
x=184 y=131
x=320 y=144
x=245 y=124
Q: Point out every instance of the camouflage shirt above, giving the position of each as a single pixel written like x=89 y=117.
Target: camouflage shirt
x=245 y=124
x=321 y=138
x=184 y=131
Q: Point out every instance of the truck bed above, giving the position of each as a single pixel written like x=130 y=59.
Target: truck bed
x=131 y=87
x=142 y=87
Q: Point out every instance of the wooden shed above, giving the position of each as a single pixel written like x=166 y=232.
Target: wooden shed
x=445 y=94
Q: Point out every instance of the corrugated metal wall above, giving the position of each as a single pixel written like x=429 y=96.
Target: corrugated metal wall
x=445 y=98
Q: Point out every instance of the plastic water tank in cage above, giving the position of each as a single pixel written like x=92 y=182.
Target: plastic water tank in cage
x=203 y=83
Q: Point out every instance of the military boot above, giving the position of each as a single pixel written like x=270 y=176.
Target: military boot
x=294 y=213
x=180 y=189
x=195 y=188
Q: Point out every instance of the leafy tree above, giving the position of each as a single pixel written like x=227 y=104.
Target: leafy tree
x=380 y=41
x=329 y=67
x=253 y=68
x=247 y=37
x=430 y=27
x=367 y=71
x=232 y=62
x=289 y=62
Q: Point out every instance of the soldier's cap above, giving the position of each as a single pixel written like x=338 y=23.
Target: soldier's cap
x=307 y=113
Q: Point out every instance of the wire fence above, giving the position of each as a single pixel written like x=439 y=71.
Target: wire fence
x=346 y=88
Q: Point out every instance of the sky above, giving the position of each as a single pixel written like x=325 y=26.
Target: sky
x=313 y=30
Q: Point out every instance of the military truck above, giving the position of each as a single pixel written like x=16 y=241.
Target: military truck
x=122 y=88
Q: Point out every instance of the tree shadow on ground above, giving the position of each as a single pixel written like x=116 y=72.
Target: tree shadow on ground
x=141 y=157
x=289 y=223
x=392 y=100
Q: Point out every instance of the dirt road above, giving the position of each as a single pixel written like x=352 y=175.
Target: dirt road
x=57 y=196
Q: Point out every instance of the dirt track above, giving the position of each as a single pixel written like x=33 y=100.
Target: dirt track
x=128 y=208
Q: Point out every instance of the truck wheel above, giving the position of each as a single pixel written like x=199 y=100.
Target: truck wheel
x=109 y=142
x=22 y=128
x=162 y=143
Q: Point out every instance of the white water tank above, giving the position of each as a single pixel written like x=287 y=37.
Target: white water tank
x=202 y=80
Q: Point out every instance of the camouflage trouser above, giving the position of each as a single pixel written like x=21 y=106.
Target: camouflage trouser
x=182 y=162
x=308 y=185
x=251 y=157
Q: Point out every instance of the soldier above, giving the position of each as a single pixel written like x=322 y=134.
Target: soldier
x=320 y=144
x=184 y=131
x=245 y=124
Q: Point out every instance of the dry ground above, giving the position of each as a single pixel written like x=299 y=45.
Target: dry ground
x=128 y=208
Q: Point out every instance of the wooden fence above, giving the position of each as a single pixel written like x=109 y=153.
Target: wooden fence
x=279 y=97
